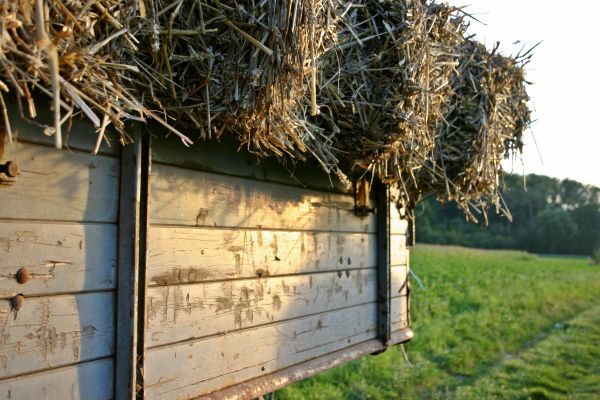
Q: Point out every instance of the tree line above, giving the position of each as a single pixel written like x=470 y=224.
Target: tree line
x=549 y=216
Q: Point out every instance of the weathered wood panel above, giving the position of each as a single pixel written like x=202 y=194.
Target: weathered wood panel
x=177 y=313
x=90 y=381
x=185 y=255
x=193 y=368
x=398 y=250
x=399 y=281
x=398 y=226
x=59 y=185
x=398 y=221
x=256 y=387
x=79 y=134
x=399 y=313
x=402 y=335
x=59 y=257
x=53 y=331
x=192 y=198
x=225 y=156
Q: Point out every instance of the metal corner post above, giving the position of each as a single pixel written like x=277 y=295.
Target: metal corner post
x=133 y=220
x=383 y=263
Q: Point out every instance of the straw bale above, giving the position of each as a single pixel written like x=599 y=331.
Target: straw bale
x=393 y=89
x=241 y=67
x=486 y=116
x=384 y=86
x=64 y=50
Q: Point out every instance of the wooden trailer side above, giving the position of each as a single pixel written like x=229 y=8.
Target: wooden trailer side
x=201 y=273
x=58 y=249
x=252 y=275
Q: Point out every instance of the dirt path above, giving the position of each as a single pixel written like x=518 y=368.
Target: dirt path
x=563 y=363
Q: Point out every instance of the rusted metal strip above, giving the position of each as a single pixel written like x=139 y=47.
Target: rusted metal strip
x=277 y=380
x=383 y=263
x=144 y=225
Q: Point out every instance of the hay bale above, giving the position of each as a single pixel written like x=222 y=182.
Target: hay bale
x=484 y=121
x=383 y=88
x=66 y=51
x=389 y=88
x=241 y=67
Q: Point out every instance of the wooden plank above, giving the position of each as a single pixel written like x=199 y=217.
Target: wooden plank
x=58 y=257
x=192 y=198
x=227 y=157
x=402 y=336
x=257 y=387
x=254 y=388
x=80 y=134
x=191 y=369
x=91 y=381
x=398 y=226
x=59 y=185
x=383 y=262
x=53 y=331
x=178 y=313
x=128 y=273
x=399 y=283
x=399 y=313
x=398 y=223
x=185 y=255
x=398 y=250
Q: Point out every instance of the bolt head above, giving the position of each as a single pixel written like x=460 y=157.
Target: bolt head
x=17 y=302
x=22 y=275
x=12 y=169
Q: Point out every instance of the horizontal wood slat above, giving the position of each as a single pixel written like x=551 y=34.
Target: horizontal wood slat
x=58 y=257
x=399 y=313
x=53 y=331
x=192 y=198
x=177 y=313
x=59 y=185
x=398 y=223
x=398 y=250
x=189 y=369
x=79 y=134
x=90 y=381
x=186 y=255
x=399 y=281
x=225 y=156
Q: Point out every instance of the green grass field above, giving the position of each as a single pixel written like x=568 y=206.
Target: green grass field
x=488 y=324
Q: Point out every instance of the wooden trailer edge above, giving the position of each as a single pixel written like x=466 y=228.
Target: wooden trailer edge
x=259 y=386
x=113 y=202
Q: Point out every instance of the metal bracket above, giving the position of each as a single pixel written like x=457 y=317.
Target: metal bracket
x=383 y=264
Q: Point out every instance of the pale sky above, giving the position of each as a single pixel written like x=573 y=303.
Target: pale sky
x=565 y=72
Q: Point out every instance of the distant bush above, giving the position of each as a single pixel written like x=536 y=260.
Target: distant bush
x=551 y=217
x=596 y=257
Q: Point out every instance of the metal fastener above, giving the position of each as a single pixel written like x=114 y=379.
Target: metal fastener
x=10 y=169
x=17 y=302
x=22 y=275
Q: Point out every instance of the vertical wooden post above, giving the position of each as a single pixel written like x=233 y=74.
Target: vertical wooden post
x=132 y=244
x=383 y=263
